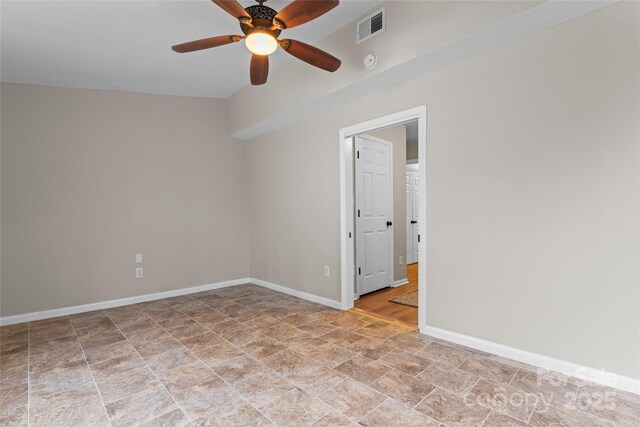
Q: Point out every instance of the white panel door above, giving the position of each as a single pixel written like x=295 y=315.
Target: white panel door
x=409 y=227
x=413 y=191
x=374 y=213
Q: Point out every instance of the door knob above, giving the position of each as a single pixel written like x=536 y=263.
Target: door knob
x=414 y=222
x=389 y=223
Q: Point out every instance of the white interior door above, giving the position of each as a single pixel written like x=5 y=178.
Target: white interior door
x=409 y=211
x=374 y=213
x=413 y=191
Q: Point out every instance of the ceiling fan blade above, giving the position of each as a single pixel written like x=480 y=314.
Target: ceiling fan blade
x=311 y=55
x=233 y=8
x=299 y=12
x=205 y=43
x=259 y=69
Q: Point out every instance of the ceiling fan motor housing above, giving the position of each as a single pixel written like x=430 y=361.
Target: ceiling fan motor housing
x=262 y=18
x=261 y=26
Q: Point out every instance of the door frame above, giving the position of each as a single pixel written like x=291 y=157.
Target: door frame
x=390 y=242
x=413 y=167
x=347 y=203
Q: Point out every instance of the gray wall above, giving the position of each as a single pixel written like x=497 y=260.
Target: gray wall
x=532 y=187
x=412 y=141
x=412 y=150
x=89 y=178
x=397 y=135
x=412 y=29
x=533 y=192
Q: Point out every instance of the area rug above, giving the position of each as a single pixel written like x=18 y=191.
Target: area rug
x=410 y=299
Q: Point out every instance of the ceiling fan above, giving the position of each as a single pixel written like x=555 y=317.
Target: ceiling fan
x=261 y=26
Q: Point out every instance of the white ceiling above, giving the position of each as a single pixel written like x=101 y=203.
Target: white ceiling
x=125 y=45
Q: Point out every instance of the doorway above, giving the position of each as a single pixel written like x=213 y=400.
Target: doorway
x=373 y=182
x=382 y=266
x=412 y=190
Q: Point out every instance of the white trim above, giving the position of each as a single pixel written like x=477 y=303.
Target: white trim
x=629 y=384
x=296 y=293
x=368 y=18
x=621 y=382
x=400 y=282
x=390 y=243
x=65 y=311
x=349 y=147
x=347 y=232
x=531 y=21
x=347 y=248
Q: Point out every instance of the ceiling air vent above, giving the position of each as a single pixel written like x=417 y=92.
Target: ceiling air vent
x=370 y=26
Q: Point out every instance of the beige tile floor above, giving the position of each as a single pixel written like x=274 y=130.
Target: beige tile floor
x=245 y=356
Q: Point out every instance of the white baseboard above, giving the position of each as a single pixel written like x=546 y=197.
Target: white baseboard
x=589 y=374
x=400 y=282
x=66 y=311
x=296 y=293
x=47 y=314
x=569 y=368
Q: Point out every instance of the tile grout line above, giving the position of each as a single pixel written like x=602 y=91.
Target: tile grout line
x=147 y=365
x=234 y=389
x=576 y=409
x=491 y=410
x=487 y=417
x=270 y=370
x=90 y=371
x=575 y=398
x=368 y=385
x=435 y=387
x=474 y=386
x=514 y=377
x=63 y=406
x=306 y=357
x=532 y=412
x=371 y=411
x=413 y=408
x=282 y=376
x=461 y=363
x=207 y=366
x=234 y=346
x=431 y=362
x=428 y=394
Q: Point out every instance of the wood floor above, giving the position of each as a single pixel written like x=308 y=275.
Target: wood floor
x=377 y=303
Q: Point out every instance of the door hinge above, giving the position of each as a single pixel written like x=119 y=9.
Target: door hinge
x=358 y=154
x=358 y=213
x=418 y=238
x=359 y=272
x=349 y=234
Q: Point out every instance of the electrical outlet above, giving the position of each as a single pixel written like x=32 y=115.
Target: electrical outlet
x=139 y=258
x=139 y=272
x=327 y=271
x=400 y=260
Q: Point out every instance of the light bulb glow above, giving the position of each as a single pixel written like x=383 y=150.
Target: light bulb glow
x=261 y=43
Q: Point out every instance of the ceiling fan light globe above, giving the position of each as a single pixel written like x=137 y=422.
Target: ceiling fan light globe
x=261 y=43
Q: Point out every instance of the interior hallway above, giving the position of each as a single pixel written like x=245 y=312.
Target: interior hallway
x=378 y=304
